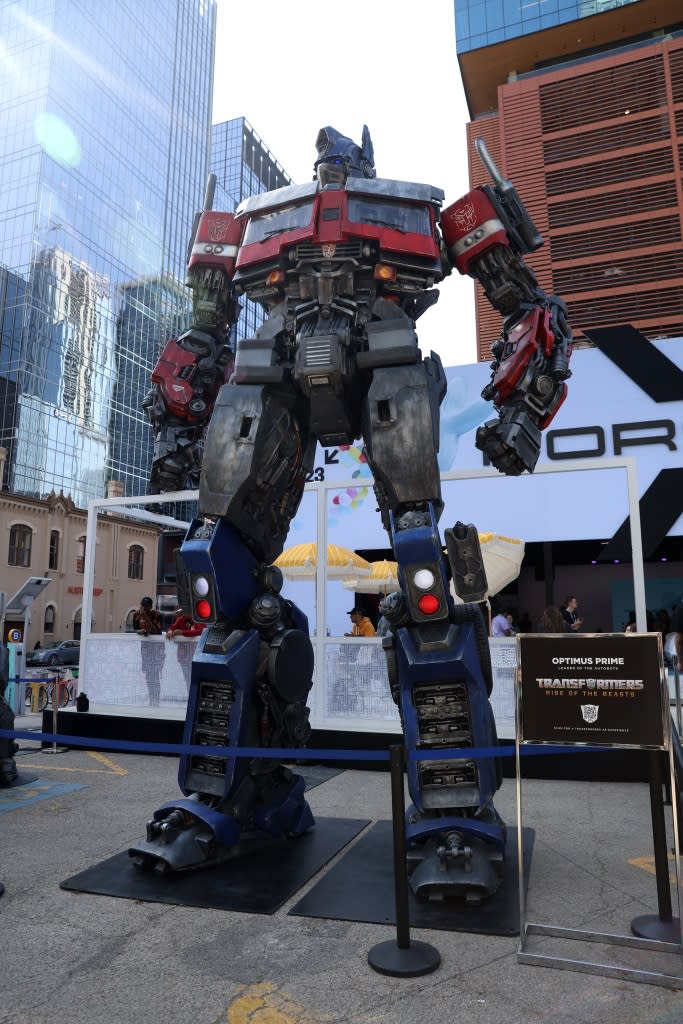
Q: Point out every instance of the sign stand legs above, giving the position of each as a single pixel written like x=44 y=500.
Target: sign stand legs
x=664 y=926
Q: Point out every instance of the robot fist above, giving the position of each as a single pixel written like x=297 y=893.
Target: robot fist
x=175 y=466
x=511 y=443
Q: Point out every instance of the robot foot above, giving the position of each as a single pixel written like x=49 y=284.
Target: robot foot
x=188 y=834
x=8 y=771
x=453 y=865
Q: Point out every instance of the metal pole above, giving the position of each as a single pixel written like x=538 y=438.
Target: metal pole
x=398 y=815
x=402 y=958
x=56 y=690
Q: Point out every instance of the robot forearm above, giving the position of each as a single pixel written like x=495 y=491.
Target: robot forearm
x=185 y=383
x=530 y=367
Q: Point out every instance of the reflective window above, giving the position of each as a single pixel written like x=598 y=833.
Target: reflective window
x=272 y=223
x=136 y=562
x=53 y=556
x=20 y=539
x=414 y=219
x=80 y=554
x=49 y=620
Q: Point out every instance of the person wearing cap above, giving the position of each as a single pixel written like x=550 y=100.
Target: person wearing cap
x=147 y=620
x=146 y=623
x=361 y=623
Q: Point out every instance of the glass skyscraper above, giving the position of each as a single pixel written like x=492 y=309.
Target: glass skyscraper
x=244 y=167
x=105 y=113
x=485 y=22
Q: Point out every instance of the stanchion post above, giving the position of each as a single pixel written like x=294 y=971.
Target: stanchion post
x=56 y=683
x=663 y=926
x=402 y=958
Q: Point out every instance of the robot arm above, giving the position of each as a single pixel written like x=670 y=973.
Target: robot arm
x=191 y=369
x=185 y=383
x=487 y=233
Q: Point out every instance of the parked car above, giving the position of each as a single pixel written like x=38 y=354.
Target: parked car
x=65 y=653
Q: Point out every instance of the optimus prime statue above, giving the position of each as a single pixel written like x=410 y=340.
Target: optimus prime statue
x=344 y=266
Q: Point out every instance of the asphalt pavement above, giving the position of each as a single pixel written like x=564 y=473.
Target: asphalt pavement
x=79 y=958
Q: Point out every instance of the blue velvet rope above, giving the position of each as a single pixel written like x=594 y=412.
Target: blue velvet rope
x=300 y=753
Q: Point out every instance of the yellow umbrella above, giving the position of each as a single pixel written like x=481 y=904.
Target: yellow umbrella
x=383 y=579
x=300 y=562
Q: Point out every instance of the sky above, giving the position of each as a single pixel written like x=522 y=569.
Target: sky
x=290 y=68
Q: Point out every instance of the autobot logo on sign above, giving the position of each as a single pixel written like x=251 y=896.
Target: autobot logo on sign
x=465 y=216
x=600 y=689
x=329 y=250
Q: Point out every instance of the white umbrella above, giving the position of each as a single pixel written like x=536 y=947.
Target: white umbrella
x=502 y=557
x=383 y=578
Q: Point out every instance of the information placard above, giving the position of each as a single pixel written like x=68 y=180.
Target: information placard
x=601 y=688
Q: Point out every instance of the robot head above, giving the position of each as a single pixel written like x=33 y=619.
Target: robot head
x=340 y=158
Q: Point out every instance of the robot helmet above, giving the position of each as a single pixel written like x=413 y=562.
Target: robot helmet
x=340 y=158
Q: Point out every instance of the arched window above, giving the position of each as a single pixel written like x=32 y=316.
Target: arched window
x=20 y=537
x=80 y=554
x=53 y=557
x=49 y=620
x=136 y=562
x=130 y=621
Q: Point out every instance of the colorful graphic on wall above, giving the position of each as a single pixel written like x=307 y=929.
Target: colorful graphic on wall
x=343 y=503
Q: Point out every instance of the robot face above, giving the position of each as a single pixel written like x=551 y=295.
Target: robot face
x=340 y=158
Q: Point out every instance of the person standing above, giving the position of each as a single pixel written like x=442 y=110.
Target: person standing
x=501 y=624
x=553 y=621
x=677 y=629
x=361 y=623
x=146 y=623
x=182 y=626
x=570 y=614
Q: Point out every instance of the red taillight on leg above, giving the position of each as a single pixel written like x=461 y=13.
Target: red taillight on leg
x=202 y=610
x=429 y=604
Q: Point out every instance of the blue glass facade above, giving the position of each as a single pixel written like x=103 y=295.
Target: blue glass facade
x=105 y=113
x=485 y=22
x=244 y=167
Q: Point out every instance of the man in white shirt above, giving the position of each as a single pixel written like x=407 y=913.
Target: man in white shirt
x=501 y=624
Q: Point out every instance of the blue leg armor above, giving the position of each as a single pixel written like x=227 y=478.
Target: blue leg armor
x=439 y=668
x=251 y=675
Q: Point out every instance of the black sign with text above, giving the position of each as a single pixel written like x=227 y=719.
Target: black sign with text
x=605 y=688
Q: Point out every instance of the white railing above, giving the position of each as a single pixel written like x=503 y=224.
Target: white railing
x=350 y=690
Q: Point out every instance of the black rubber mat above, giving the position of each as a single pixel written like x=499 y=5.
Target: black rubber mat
x=315 y=774
x=262 y=874
x=360 y=887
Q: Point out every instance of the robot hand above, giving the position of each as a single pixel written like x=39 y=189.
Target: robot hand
x=531 y=364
